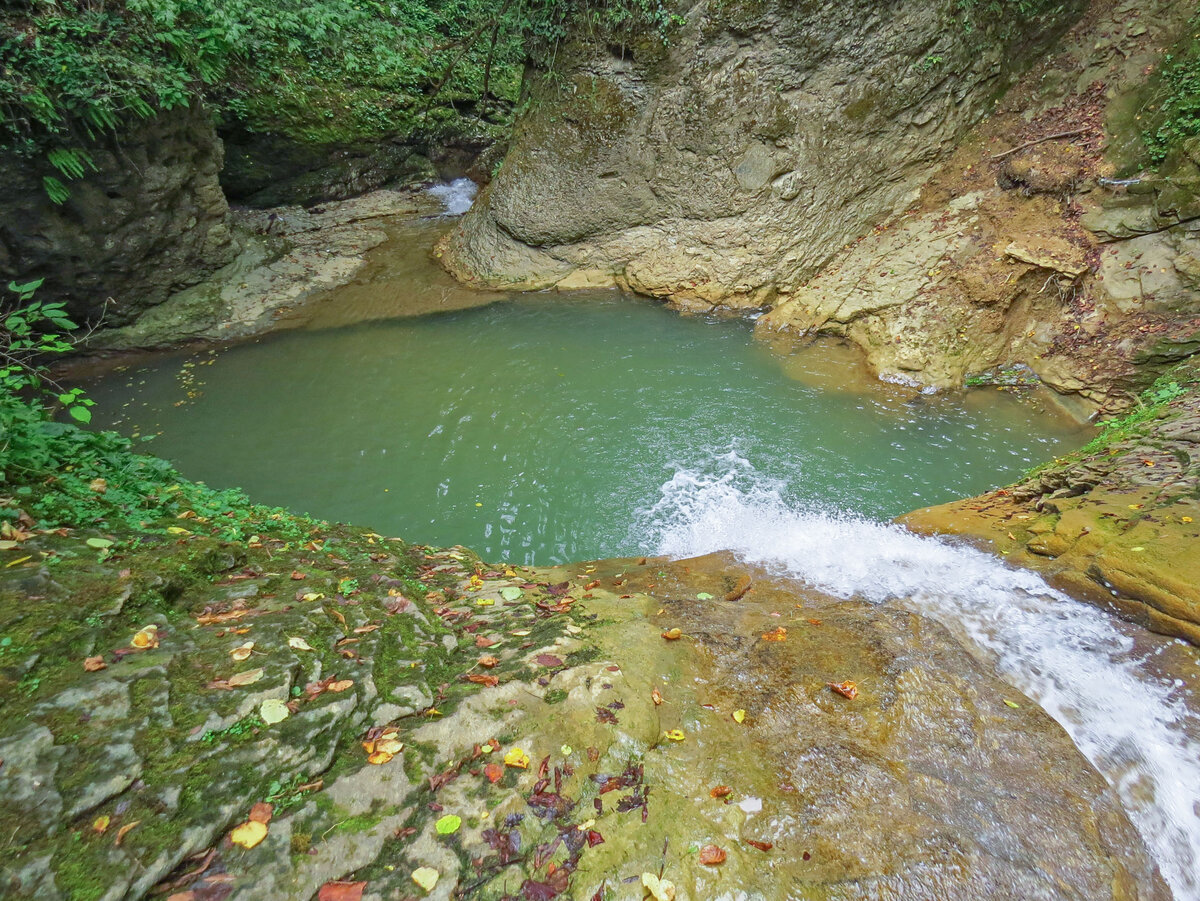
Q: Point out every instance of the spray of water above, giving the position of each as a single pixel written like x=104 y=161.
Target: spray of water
x=456 y=196
x=1078 y=663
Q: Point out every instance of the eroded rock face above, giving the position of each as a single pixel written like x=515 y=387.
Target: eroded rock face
x=733 y=164
x=151 y=220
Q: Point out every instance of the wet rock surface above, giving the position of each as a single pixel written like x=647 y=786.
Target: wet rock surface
x=1118 y=525
x=378 y=709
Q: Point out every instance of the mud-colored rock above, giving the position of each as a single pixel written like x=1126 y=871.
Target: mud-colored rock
x=732 y=164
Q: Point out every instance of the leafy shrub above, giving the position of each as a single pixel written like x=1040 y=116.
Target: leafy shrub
x=1177 y=101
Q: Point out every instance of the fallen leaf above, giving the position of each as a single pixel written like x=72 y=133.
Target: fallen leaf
x=241 y=652
x=739 y=716
x=249 y=834
x=369 y=627
x=94 y=664
x=484 y=679
x=846 y=689
x=675 y=734
x=520 y=632
x=273 y=710
x=482 y=642
x=659 y=889
x=779 y=633
x=448 y=825
x=517 y=758
x=656 y=697
x=249 y=677
x=299 y=644
x=341 y=891
x=762 y=846
x=260 y=812
x=485 y=602
x=488 y=661
x=340 y=685
x=548 y=660
x=494 y=772
x=124 y=831
x=297 y=575
x=704 y=596
x=312 y=596
x=672 y=634
x=144 y=638
x=712 y=856
x=720 y=791
x=99 y=543
x=101 y=823
x=425 y=877
x=1013 y=704
x=511 y=593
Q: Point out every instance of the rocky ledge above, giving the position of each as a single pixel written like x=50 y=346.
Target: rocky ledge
x=1117 y=523
x=333 y=714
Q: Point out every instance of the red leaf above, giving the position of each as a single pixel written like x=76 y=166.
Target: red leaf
x=548 y=660
x=594 y=838
x=711 y=855
x=762 y=846
x=341 y=891
x=494 y=772
x=484 y=679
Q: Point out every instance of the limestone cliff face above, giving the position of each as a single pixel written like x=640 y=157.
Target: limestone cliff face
x=732 y=165
x=151 y=220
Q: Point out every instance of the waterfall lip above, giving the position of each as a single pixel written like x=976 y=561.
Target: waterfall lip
x=456 y=196
x=1082 y=666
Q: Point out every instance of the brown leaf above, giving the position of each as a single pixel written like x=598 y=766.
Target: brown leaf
x=341 y=891
x=369 y=627
x=720 y=791
x=779 y=633
x=846 y=689
x=595 y=583
x=124 y=830
x=261 y=812
x=740 y=589
x=488 y=661
x=548 y=660
x=94 y=664
x=712 y=856
x=484 y=679
x=297 y=575
x=762 y=846
x=481 y=642
x=340 y=685
x=672 y=634
x=656 y=697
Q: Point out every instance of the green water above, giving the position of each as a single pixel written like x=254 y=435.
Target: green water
x=542 y=428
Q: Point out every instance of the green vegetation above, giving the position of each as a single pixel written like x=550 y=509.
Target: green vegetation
x=67 y=476
x=328 y=70
x=1176 y=104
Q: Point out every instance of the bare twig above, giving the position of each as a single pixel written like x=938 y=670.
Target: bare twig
x=1061 y=134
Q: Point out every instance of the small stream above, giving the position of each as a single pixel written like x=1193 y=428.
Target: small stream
x=546 y=428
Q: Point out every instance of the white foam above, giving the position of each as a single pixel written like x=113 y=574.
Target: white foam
x=1074 y=660
x=456 y=196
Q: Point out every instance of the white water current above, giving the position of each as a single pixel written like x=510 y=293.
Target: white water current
x=456 y=196
x=1077 y=662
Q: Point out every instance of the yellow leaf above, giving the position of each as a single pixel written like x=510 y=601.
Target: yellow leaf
x=273 y=710
x=484 y=602
x=178 y=530
x=389 y=745
x=101 y=823
x=659 y=889
x=299 y=644
x=341 y=684
x=426 y=877
x=517 y=758
x=1013 y=704
x=249 y=834
x=1186 y=518
x=379 y=757
x=312 y=596
x=146 y=637
x=739 y=716
x=249 y=677
x=672 y=634
x=242 y=651
x=675 y=734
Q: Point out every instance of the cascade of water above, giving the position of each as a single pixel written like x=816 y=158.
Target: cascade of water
x=456 y=196
x=1078 y=663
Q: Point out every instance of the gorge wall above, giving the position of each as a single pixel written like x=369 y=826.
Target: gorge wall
x=730 y=166
x=149 y=220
